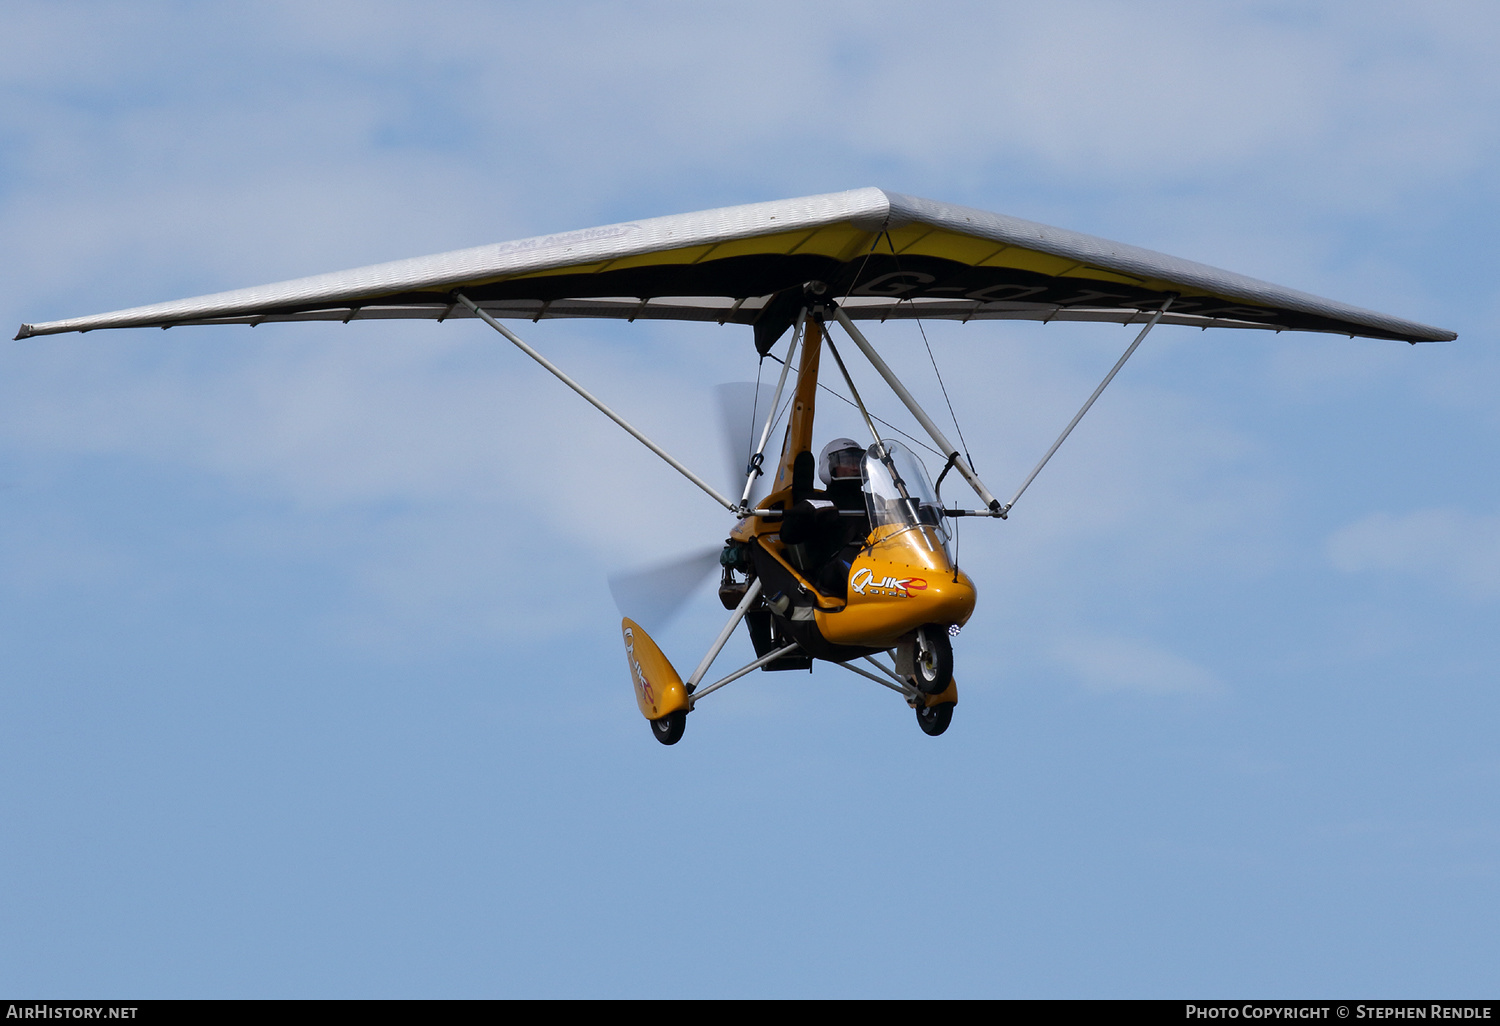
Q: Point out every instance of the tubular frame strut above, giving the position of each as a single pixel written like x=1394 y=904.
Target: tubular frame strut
x=611 y=414
x=858 y=402
x=1004 y=510
x=751 y=594
x=884 y=669
x=787 y=649
x=906 y=692
x=752 y=471
x=951 y=453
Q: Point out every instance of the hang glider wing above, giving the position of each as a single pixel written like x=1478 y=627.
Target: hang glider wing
x=880 y=254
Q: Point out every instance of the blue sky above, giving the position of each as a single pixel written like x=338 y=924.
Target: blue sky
x=310 y=682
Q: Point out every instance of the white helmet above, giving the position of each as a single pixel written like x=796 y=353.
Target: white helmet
x=835 y=465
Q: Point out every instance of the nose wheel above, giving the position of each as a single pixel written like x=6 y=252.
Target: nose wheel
x=668 y=730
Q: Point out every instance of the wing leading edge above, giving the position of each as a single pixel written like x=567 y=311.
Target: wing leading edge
x=883 y=254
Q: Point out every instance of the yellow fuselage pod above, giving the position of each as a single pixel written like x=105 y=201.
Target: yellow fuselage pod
x=658 y=688
x=901 y=580
x=949 y=697
x=768 y=533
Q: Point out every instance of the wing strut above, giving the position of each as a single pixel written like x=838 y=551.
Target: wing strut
x=858 y=402
x=1079 y=416
x=753 y=470
x=611 y=414
x=949 y=451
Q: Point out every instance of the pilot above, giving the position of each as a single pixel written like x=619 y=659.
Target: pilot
x=838 y=469
x=821 y=540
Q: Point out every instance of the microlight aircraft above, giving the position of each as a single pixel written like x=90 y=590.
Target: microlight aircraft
x=860 y=571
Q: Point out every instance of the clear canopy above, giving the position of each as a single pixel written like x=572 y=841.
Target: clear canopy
x=899 y=493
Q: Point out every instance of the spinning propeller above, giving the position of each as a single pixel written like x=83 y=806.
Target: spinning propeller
x=653 y=595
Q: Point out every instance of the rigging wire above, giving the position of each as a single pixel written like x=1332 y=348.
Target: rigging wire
x=854 y=282
x=754 y=414
x=776 y=421
x=868 y=253
x=961 y=439
x=957 y=427
x=878 y=420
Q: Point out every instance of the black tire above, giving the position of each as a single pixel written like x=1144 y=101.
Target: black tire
x=934 y=660
x=668 y=729
x=935 y=719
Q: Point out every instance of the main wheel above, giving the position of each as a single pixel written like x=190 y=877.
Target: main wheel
x=935 y=719
x=934 y=660
x=668 y=729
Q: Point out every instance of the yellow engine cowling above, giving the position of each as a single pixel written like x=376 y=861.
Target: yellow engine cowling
x=900 y=581
x=658 y=689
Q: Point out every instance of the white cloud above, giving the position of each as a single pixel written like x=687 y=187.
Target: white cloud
x=1133 y=664
x=1458 y=549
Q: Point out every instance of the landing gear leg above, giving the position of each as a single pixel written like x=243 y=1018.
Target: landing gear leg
x=934 y=712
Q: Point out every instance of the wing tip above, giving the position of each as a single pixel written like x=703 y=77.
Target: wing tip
x=1431 y=335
